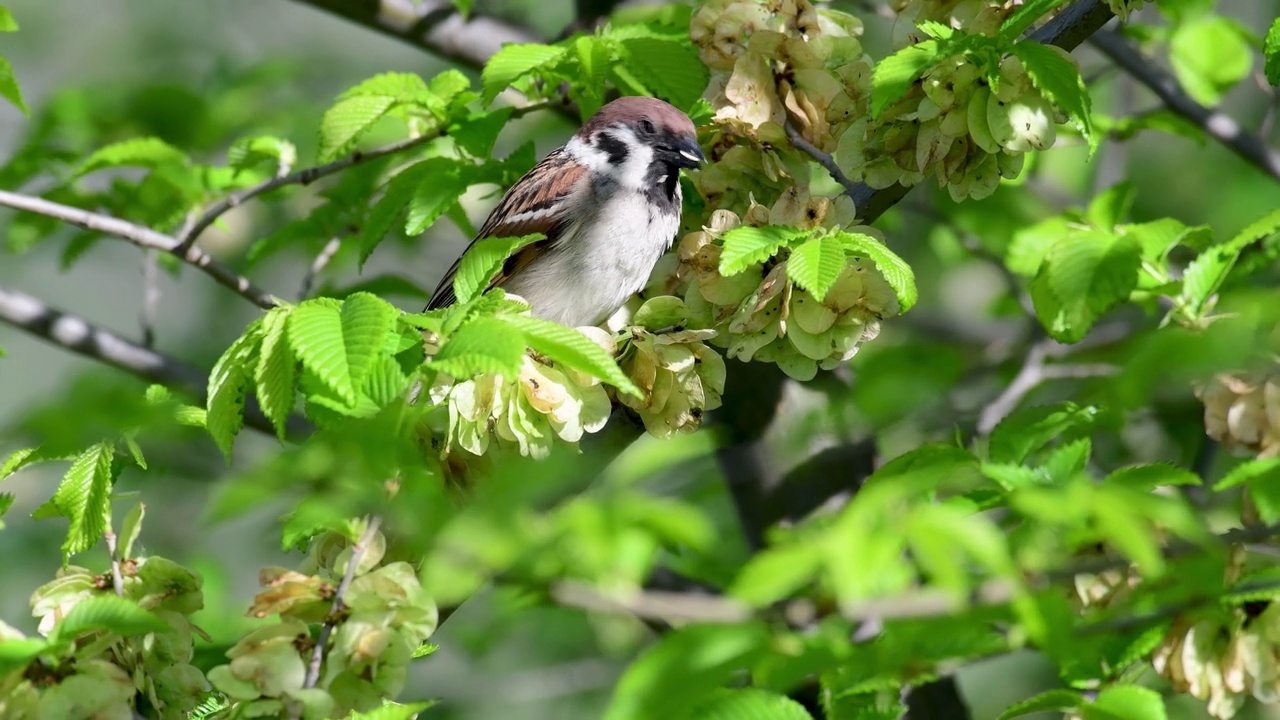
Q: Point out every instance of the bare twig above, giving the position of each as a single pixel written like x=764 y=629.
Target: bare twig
x=305 y=176
x=150 y=296
x=317 y=266
x=1036 y=370
x=117 y=580
x=1249 y=146
x=336 y=610
x=81 y=337
x=853 y=189
x=433 y=25
x=143 y=237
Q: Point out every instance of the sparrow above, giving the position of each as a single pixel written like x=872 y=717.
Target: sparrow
x=609 y=204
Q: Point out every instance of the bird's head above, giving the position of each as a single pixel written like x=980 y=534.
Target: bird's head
x=628 y=136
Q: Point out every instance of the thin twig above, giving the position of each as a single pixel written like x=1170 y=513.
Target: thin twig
x=828 y=162
x=1033 y=372
x=317 y=266
x=336 y=610
x=150 y=296
x=1221 y=127
x=143 y=237
x=117 y=580
x=305 y=176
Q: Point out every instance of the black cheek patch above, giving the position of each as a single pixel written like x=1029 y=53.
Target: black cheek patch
x=615 y=148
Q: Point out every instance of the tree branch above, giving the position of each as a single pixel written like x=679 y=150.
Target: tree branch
x=142 y=237
x=433 y=25
x=1251 y=147
x=83 y=338
x=338 y=607
x=1036 y=370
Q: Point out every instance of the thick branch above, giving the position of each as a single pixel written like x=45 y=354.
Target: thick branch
x=81 y=337
x=433 y=25
x=143 y=237
x=1249 y=146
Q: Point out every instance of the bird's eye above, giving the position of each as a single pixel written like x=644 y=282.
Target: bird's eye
x=647 y=127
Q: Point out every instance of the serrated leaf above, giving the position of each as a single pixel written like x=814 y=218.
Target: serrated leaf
x=315 y=334
x=448 y=85
x=275 y=376
x=366 y=322
x=1052 y=700
x=777 y=572
x=140 y=152
x=670 y=70
x=399 y=86
x=1262 y=477
x=1028 y=429
x=6 y=502
x=1059 y=80
x=749 y=704
x=684 y=667
x=816 y=264
x=1025 y=16
x=1210 y=269
x=385 y=382
x=513 y=62
x=484 y=345
x=106 y=612
x=1209 y=54
x=130 y=529
x=16 y=653
x=135 y=450
x=393 y=711
x=228 y=383
x=383 y=214
x=1081 y=278
x=895 y=270
x=9 y=89
x=745 y=246
x=1149 y=477
x=348 y=120
x=594 y=54
x=438 y=188
x=1126 y=702
x=568 y=346
x=17 y=460
x=84 y=497
x=894 y=75
x=1109 y=207
x=483 y=260
x=1127 y=531
x=1271 y=53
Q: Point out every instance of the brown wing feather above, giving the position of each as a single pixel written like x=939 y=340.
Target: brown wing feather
x=533 y=205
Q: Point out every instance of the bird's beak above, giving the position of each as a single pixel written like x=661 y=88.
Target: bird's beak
x=690 y=154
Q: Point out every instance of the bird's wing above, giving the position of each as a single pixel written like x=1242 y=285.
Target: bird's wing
x=535 y=204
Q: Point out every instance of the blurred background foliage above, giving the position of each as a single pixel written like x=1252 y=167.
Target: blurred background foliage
x=200 y=73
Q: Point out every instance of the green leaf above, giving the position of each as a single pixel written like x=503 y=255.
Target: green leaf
x=366 y=322
x=20 y=459
x=16 y=653
x=513 y=62
x=1121 y=526
x=1028 y=429
x=400 y=190
x=670 y=70
x=1149 y=477
x=6 y=502
x=130 y=530
x=393 y=711
x=777 y=572
x=1209 y=270
x=484 y=345
x=895 y=270
x=684 y=667
x=1083 y=277
x=750 y=704
x=1262 y=478
x=439 y=188
x=140 y=152
x=479 y=131
x=1059 y=80
x=1031 y=244
x=228 y=383
x=401 y=87
x=570 y=347
x=1026 y=16
x=745 y=246
x=84 y=497
x=348 y=120
x=1126 y=702
x=816 y=264
x=1209 y=54
x=1050 y=701
x=894 y=75
x=1271 y=51
x=1111 y=206
x=315 y=333
x=9 y=89
x=106 y=612
x=483 y=260
x=250 y=152
x=8 y=23
x=275 y=377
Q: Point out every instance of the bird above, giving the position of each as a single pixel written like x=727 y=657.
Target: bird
x=608 y=203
